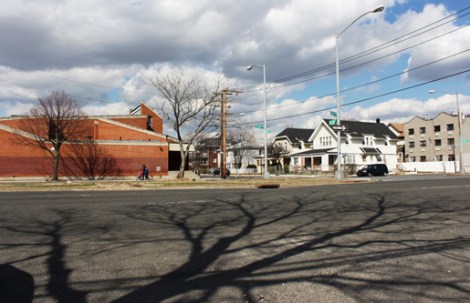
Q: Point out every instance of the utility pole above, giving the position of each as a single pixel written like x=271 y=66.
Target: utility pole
x=223 y=130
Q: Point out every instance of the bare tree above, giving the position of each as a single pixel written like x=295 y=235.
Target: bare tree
x=189 y=106
x=241 y=135
x=52 y=121
x=277 y=151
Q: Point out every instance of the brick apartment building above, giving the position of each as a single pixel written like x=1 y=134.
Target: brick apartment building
x=437 y=139
x=115 y=146
x=206 y=157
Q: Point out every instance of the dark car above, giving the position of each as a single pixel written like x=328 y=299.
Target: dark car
x=216 y=172
x=373 y=170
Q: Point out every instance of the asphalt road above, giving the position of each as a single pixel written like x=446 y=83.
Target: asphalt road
x=389 y=241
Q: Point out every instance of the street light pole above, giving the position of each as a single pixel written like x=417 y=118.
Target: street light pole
x=459 y=122
x=339 y=172
x=263 y=66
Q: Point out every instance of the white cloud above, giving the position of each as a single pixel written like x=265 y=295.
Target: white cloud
x=106 y=55
x=454 y=39
x=15 y=108
x=403 y=110
x=119 y=108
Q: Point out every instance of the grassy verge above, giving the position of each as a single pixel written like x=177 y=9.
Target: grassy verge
x=165 y=184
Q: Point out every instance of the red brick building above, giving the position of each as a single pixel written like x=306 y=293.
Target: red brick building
x=116 y=146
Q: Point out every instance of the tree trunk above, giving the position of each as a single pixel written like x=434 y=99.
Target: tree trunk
x=55 y=176
x=181 y=172
x=183 y=161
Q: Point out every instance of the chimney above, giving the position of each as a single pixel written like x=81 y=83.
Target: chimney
x=377 y=120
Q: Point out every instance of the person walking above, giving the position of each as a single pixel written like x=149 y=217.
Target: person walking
x=145 y=172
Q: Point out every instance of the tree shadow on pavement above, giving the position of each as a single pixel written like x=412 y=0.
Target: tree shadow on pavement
x=51 y=233
x=329 y=246
x=243 y=250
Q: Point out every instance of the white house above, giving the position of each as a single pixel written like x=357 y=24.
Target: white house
x=293 y=141
x=361 y=143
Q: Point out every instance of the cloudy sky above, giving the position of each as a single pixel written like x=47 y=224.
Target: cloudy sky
x=106 y=53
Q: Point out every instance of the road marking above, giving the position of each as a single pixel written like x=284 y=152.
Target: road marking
x=186 y=202
x=445 y=187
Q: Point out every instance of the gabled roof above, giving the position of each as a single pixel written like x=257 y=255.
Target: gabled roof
x=399 y=127
x=295 y=135
x=143 y=109
x=312 y=152
x=430 y=119
x=137 y=129
x=359 y=128
x=210 y=142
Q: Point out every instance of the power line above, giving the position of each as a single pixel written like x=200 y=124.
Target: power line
x=368 y=83
x=368 y=98
x=377 y=48
x=380 y=47
x=370 y=61
x=431 y=26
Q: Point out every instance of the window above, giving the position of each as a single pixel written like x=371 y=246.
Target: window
x=325 y=141
x=413 y=159
x=422 y=143
x=437 y=128
x=412 y=144
x=422 y=159
x=450 y=141
x=451 y=158
x=450 y=127
x=368 y=141
x=422 y=130
x=149 y=123
x=411 y=131
x=439 y=158
x=437 y=142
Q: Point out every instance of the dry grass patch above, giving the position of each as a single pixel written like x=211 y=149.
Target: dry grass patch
x=168 y=184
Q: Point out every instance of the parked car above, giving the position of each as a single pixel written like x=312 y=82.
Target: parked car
x=379 y=169
x=216 y=172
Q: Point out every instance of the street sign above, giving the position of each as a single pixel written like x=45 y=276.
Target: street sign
x=340 y=127
x=332 y=122
x=464 y=140
x=334 y=114
x=261 y=126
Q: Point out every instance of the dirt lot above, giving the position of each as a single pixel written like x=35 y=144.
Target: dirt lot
x=168 y=183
